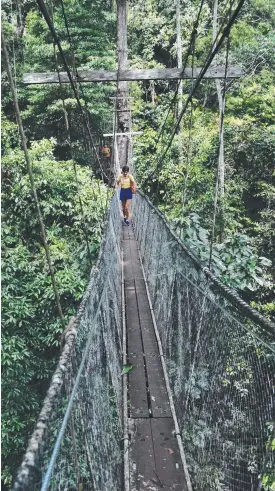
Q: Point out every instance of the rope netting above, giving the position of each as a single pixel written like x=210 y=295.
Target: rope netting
x=220 y=356
x=77 y=442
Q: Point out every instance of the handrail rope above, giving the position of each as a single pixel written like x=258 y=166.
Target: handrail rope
x=221 y=127
x=46 y=16
x=57 y=380
x=32 y=182
x=58 y=441
x=233 y=297
x=209 y=59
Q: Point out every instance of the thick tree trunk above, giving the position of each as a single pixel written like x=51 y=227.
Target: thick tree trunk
x=180 y=93
x=20 y=19
x=179 y=54
x=122 y=95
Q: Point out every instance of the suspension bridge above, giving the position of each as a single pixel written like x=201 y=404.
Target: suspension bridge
x=166 y=377
x=201 y=387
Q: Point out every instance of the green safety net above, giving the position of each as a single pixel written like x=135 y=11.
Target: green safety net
x=220 y=356
x=90 y=455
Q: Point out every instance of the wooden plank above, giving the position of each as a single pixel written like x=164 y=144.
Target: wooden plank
x=137 y=379
x=169 y=468
x=126 y=133
x=141 y=456
x=132 y=75
x=132 y=262
x=137 y=387
x=127 y=255
x=155 y=462
x=145 y=318
x=157 y=389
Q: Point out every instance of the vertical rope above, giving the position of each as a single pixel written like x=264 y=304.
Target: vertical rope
x=221 y=126
x=187 y=54
x=33 y=188
x=47 y=18
x=85 y=112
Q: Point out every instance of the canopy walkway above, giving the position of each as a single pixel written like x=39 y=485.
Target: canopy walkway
x=166 y=376
x=197 y=401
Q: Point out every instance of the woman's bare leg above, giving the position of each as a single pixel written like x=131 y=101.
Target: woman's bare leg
x=124 y=208
x=128 y=207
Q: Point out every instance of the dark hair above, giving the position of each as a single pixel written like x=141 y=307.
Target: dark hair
x=125 y=168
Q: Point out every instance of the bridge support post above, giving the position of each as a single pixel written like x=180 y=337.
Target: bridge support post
x=123 y=115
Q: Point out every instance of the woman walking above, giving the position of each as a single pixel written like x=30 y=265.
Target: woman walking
x=126 y=182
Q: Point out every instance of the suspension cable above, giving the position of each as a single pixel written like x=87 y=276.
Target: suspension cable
x=69 y=141
x=47 y=18
x=31 y=177
x=212 y=53
x=190 y=47
x=209 y=59
x=75 y=70
x=72 y=49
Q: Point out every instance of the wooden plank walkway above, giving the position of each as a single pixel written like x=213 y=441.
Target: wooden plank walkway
x=155 y=462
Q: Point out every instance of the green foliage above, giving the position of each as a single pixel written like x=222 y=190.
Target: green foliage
x=31 y=328
x=182 y=185
x=268 y=478
x=235 y=260
x=126 y=369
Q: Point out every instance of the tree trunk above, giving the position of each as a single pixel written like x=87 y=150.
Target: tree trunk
x=122 y=89
x=179 y=54
x=20 y=19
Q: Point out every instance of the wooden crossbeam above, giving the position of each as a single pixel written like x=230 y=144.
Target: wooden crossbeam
x=132 y=75
x=132 y=133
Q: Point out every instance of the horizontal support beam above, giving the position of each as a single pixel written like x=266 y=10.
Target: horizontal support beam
x=126 y=133
x=132 y=75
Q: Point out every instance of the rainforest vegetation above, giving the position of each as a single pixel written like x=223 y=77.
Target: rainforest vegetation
x=182 y=184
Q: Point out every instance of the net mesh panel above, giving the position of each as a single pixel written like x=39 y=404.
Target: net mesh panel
x=90 y=456
x=220 y=364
